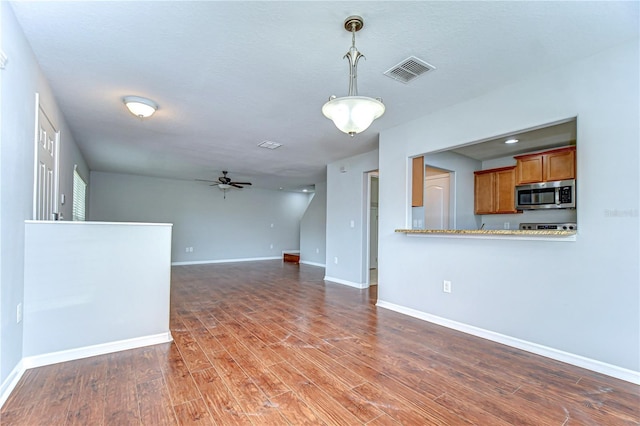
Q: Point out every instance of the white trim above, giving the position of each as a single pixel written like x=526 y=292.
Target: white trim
x=34 y=208
x=558 y=355
x=202 y=262
x=81 y=223
x=100 y=349
x=10 y=383
x=345 y=282
x=306 y=262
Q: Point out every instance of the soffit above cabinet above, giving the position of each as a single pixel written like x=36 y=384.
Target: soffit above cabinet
x=558 y=135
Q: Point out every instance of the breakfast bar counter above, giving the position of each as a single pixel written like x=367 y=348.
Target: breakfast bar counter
x=547 y=234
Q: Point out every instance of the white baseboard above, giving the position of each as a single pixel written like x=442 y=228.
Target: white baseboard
x=72 y=354
x=10 y=383
x=101 y=349
x=345 y=282
x=203 y=262
x=306 y=262
x=558 y=355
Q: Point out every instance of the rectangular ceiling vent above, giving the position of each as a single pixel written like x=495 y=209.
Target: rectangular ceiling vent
x=269 y=145
x=409 y=69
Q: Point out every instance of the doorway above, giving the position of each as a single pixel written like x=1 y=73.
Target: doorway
x=45 y=191
x=372 y=227
x=437 y=194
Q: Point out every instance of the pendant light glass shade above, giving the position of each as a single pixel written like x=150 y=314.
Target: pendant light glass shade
x=140 y=107
x=353 y=114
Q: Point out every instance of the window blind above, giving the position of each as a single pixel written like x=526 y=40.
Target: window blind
x=79 y=196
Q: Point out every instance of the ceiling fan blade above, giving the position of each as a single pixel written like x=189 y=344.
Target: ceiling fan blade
x=205 y=180
x=242 y=183
x=234 y=184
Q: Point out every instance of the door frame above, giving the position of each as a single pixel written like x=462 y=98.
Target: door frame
x=447 y=212
x=56 y=162
x=367 y=224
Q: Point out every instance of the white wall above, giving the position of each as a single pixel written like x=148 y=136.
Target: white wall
x=238 y=227
x=20 y=81
x=347 y=203
x=89 y=284
x=587 y=300
x=313 y=241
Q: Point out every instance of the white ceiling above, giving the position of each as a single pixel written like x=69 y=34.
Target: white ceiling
x=549 y=136
x=229 y=75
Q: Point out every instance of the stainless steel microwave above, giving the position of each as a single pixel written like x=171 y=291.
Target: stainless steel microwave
x=560 y=194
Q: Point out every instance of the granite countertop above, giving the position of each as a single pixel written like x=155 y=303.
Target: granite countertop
x=479 y=232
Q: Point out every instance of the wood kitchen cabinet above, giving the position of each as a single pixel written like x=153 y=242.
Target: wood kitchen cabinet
x=494 y=191
x=417 y=182
x=547 y=166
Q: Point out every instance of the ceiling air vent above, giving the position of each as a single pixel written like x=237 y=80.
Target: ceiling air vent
x=409 y=69
x=269 y=145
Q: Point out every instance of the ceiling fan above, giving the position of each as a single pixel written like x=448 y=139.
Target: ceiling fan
x=225 y=183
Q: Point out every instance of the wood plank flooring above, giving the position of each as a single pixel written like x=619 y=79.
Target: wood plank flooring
x=270 y=343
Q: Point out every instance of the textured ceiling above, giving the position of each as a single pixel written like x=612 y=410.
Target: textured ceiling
x=229 y=75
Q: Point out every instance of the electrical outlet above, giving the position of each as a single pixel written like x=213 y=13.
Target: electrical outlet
x=446 y=286
x=18 y=313
x=271 y=246
x=507 y=225
x=317 y=250
x=186 y=249
x=335 y=260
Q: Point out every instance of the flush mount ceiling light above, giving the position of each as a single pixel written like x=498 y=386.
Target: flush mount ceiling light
x=512 y=140
x=353 y=114
x=140 y=107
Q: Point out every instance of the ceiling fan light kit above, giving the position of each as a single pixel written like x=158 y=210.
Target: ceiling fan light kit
x=139 y=106
x=225 y=183
x=353 y=114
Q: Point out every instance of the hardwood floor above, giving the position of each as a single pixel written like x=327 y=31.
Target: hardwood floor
x=270 y=343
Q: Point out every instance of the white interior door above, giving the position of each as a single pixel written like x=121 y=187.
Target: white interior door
x=46 y=173
x=436 y=204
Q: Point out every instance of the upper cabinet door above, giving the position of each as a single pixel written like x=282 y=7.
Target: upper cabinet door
x=529 y=169
x=505 y=191
x=557 y=164
x=417 y=182
x=484 y=192
x=560 y=165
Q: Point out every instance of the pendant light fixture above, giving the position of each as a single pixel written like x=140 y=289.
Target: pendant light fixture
x=353 y=114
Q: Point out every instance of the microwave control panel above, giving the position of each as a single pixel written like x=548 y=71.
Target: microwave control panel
x=565 y=195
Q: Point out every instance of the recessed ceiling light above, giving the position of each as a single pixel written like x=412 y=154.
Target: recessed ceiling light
x=140 y=107
x=510 y=141
x=305 y=190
